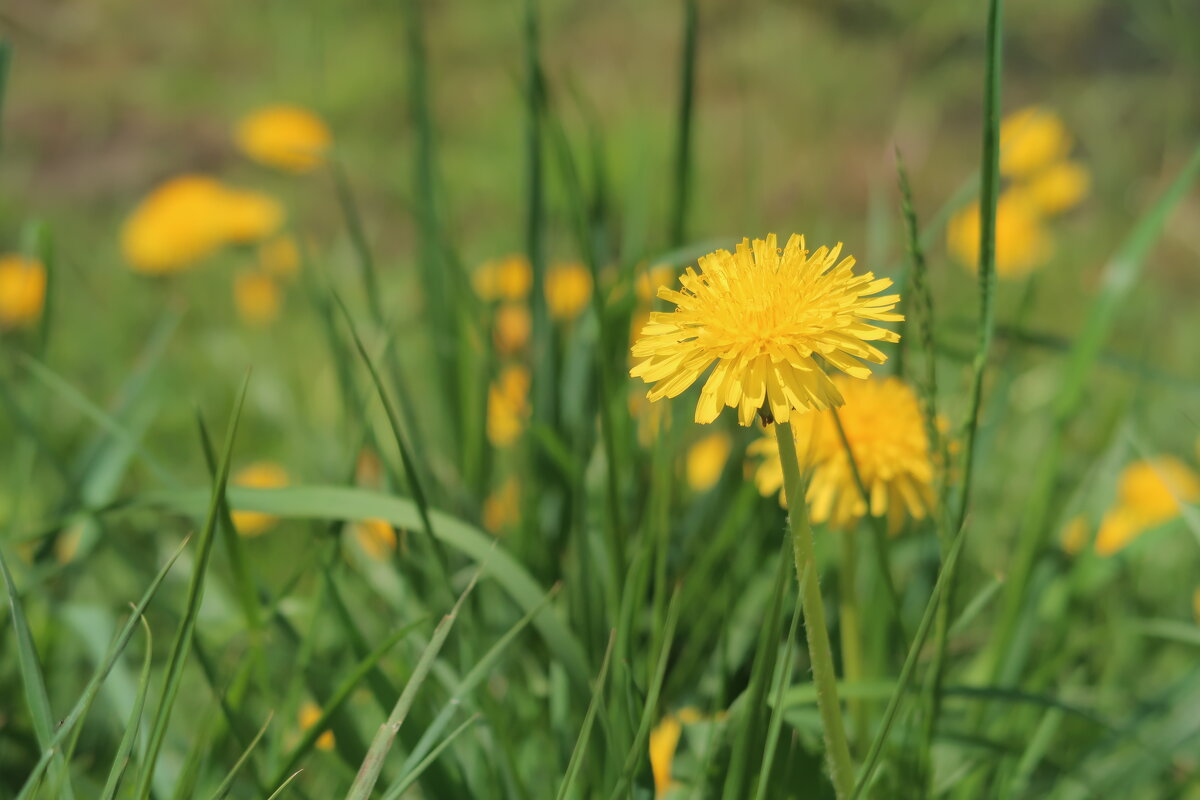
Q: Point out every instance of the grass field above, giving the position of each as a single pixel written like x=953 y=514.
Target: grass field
x=324 y=470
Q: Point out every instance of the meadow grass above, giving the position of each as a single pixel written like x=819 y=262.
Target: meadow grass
x=625 y=630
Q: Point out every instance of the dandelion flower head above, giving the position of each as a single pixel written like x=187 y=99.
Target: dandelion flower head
x=376 y=537
x=257 y=298
x=259 y=475
x=763 y=316
x=568 y=290
x=508 y=405
x=286 y=137
x=1149 y=493
x=509 y=278
x=22 y=291
x=310 y=713
x=1031 y=139
x=706 y=461
x=1022 y=243
x=887 y=435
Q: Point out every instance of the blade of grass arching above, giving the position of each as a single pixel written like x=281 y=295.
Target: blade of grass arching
x=233 y=543
x=227 y=784
x=1119 y=277
x=988 y=196
x=183 y=636
x=279 y=792
x=89 y=693
x=339 y=502
x=74 y=397
x=478 y=672
x=134 y=723
x=589 y=720
x=681 y=185
x=34 y=684
x=409 y=778
x=775 y=725
x=748 y=742
x=637 y=754
x=368 y=773
x=338 y=698
x=415 y=481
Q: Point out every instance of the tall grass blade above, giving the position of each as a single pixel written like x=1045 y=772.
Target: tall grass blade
x=589 y=719
x=410 y=777
x=227 y=784
x=681 y=185
x=134 y=723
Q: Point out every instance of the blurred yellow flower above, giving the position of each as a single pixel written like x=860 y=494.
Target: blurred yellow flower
x=568 y=290
x=250 y=216
x=1149 y=493
x=66 y=546
x=1074 y=537
x=507 y=405
x=22 y=291
x=649 y=282
x=259 y=475
x=508 y=278
x=368 y=470
x=1031 y=139
x=376 y=537
x=502 y=508
x=179 y=223
x=1057 y=188
x=287 y=137
x=310 y=713
x=279 y=257
x=886 y=431
x=664 y=740
x=762 y=315
x=512 y=329
x=706 y=461
x=257 y=298
x=1022 y=242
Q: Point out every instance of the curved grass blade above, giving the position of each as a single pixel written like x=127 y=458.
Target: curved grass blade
x=589 y=719
x=410 y=777
x=275 y=794
x=227 y=784
x=784 y=665
x=134 y=723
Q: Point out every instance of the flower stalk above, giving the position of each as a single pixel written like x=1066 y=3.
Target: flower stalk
x=841 y=768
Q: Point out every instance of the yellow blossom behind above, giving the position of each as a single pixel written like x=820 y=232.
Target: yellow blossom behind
x=310 y=713
x=508 y=400
x=512 y=328
x=706 y=461
x=22 y=291
x=177 y=224
x=250 y=215
x=1022 y=243
x=508 y=278
x=1149 y=493
x=649 y=282
x=286 y=137
x=1030 y=140
x=763 y=316
x=664 y=740
x=259 y=475
x=1058 y=188
x=257 y=298
x=376 y=537
x=502 y=508
x=568 y=290
x=887 y=435
x=279 y=257
x=1074 y=537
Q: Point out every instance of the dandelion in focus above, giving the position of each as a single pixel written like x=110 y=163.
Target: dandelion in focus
x=512 y=328
x=286 y=137
x=376 y=537
x=508 y=400
x=509 y=278
x=279 y=257
x=259 y=475
x=310 y=714
x=22 y=291
x=1149 y=493
x=706 y=461
x=763 y=316
x=664 y=740
x=502 y=508
x=887 y=436
x=568 y=290
x=1022 y=243
x=257 y=298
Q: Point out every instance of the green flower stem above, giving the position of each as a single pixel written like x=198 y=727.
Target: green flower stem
x=841 y=768
x=850 y=625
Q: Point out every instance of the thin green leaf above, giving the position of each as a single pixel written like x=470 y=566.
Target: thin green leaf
x=227 y=783
x=589 y=719
x=134 y=723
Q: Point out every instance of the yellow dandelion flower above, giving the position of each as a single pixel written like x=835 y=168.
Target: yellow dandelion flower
x=1149 y=493
x=279 y=257
x=1031 y=139
x=649 y=282
x=512 y=328
x=1022 y=243
x=1057 y=188
x=178 y=223
x=509 y=278
x=664 y=740
x=376 y=537
x=310 y=713
x=568 y=290
x=66 y=546
x=368 y=470
x=259 y=475
x=287 y=137
x=257 y=298
x=22 y=291
x=1074 y=537
x=502 y=508
x=249 y=215
x=508 y=405
x=886 y=431
x=764 y=316
x=706 y=461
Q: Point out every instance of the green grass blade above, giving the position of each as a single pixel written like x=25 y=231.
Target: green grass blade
x=279 y=792
x=121 y=761
x=368 y=773
x=183 y=637
x=410 y=777
x=775 y=725
x=227 y=784
x=589 y=719
x=681 y=185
